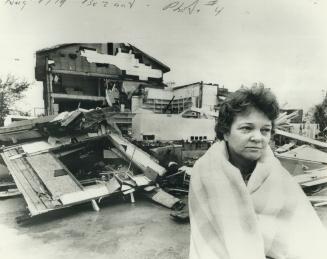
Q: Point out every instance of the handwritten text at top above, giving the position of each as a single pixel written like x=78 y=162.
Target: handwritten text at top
x=187 y=7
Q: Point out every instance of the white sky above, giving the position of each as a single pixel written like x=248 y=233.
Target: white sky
x=282 y=43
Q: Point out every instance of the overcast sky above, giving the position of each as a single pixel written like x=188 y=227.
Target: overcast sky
x=281 y=43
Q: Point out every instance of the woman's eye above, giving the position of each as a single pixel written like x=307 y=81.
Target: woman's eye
x=246 y=128
x=266 y=131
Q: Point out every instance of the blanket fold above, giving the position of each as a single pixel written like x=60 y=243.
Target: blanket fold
x=270 y=216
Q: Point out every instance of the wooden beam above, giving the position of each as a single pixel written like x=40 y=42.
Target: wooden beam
x=45 y=165
x=113 y=77
x=51 y=109
x=25 y=125
x=77 y=97
x=301 y=138
x=48 y=91
x=88 y=74
x=99 y=87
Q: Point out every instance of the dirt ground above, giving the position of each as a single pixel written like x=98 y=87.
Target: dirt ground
x=120 y=230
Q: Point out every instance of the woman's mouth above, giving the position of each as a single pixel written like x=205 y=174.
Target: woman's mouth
x=253 y=148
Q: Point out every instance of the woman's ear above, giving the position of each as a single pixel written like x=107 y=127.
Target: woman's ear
x=226 y=136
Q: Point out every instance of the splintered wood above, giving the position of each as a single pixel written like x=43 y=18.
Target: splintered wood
x=28 y=183
x=45 y=166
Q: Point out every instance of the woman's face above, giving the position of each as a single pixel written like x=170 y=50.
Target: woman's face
x=249 y=134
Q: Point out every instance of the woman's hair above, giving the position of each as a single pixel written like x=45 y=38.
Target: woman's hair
x=256 y=97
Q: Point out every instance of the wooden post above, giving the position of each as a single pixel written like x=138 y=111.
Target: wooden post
x=201 y=95
x=51 y=109
x=48 y=89
x=132 y=197
x=99 y=90
x=95 y=205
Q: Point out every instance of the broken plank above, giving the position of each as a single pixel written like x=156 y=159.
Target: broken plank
x=312 y=177
x=150 y=174
x=162 y=197
x=77 y=97
x=136 y=155
x=141 y=180
x=86 y=74
x=89 y=193
x=45 y=166
x=34 y=203
x=316 y=198
x=39 y=189
x=38 y=146
x=6 y=185
x=10 y=193
x=314 y=182
x=113 y=185
x=301 y=138
x=70 y=118
x=25 y=124
x=319 y=204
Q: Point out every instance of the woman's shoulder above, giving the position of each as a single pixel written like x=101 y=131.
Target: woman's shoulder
x=215 y=152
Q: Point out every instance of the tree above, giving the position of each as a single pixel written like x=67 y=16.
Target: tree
x=11 y=90
x=320 y=114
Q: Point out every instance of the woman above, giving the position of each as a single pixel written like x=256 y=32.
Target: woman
x=243 y=204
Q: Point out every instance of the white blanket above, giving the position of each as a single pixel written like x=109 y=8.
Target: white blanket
x=270 y=216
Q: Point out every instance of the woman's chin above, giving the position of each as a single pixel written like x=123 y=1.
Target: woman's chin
x=252 y=156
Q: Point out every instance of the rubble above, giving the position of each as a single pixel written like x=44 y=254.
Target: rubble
x=81 y=156
x=8 y=189
x=77 y=157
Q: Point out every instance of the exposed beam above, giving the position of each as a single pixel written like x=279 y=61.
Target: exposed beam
x=79 y=73
x=77 y=97
x=301 y=138
x=113 y=77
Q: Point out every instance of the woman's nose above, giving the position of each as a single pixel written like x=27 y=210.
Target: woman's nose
x=256 y=136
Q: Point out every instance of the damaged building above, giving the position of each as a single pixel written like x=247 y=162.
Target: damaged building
x=187 y=112
x=89 y=75
x=75 y=157
x=119 y=75
x=80 y=152
x=207 y=96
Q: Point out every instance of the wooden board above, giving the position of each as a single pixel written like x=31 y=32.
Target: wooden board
x=45 y=166
x=162 y=197
x=89 y=193
x=28 y=184
x=25 y=125
x=36 y=146
x=77 y=97
x=136 y=155
x=301 y=138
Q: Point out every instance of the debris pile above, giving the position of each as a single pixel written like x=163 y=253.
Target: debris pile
x=77 y=157
x=82 y=156
x=307 y=164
